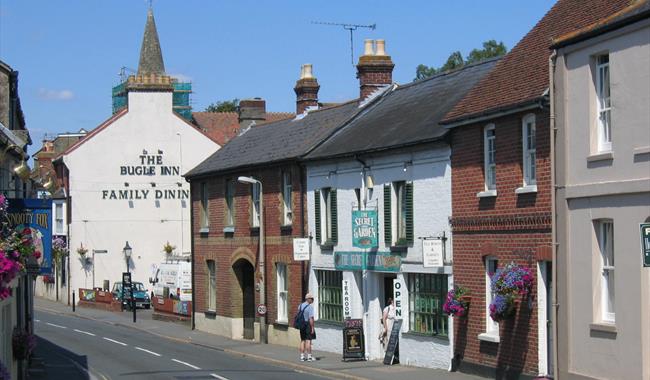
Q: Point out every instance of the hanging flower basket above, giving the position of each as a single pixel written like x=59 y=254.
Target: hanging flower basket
x=48 y=279
x=457 y=302
x=82 y=250
x=168 y=248
x=22 y=344
x=507 y=284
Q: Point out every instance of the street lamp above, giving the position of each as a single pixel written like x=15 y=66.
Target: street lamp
x=253 y=181
x=127 y=255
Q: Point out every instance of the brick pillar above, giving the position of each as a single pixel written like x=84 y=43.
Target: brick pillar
x=375 y=68
x=306 y=89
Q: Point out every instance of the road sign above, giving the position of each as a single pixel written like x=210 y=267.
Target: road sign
x=261 y=309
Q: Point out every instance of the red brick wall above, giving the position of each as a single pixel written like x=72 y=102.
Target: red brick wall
x=226 y=249
x=510 y=227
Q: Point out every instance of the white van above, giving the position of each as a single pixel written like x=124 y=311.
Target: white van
x=177 y=277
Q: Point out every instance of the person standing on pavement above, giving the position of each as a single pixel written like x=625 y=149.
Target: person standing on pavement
x=307 y=332
x=387 y=319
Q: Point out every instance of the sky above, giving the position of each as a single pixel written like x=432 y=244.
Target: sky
x=69 y=52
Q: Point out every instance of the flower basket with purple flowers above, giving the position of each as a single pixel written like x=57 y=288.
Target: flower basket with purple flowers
x=457 y=302
x=22 y=344
x=507 y=283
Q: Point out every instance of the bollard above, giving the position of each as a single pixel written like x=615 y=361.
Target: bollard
x=133 y=307
x=73 y=302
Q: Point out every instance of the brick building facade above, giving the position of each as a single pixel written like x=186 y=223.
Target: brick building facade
x=502 y=200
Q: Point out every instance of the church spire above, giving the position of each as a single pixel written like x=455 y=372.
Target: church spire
x=151 y=60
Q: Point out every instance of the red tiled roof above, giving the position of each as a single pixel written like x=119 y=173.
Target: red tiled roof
x=223 y=126
x=219 y=126
x=522 y=75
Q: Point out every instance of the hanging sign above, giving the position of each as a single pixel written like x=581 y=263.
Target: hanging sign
x=353 y=345
x=347 y=307
x=301 y=249
x=645 y=243
x=33 y=217
x=374 y=261
x=364 y=228
x=432 y=253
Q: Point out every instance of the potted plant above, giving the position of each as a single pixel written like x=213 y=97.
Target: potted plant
x=457 y=302
x=22 y=344
x=507 y=283
x=59 y=249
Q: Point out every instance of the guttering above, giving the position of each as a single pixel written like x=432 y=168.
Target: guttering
x=552 y=131
x=504 y=111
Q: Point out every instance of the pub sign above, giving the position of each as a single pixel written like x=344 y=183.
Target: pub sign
x=35 y=216
x=364 y=228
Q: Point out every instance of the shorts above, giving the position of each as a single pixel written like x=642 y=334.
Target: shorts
x=306 y=334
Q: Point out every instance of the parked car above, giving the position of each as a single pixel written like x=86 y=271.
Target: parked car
x=139 y=291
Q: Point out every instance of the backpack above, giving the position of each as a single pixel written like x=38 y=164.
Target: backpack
x=299 y=320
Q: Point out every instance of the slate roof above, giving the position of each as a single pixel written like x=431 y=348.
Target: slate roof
x=224 y=126
x=638 y=10
x=521 y=77
x=407 y=115
x=278 y=141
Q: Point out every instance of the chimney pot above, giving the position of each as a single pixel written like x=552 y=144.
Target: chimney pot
x=368 y=50
x=307 y=72
x=381 y=48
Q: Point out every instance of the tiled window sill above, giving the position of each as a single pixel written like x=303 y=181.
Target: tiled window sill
x=204 y=230
x=486 y=194
x=526 y=189
x=603 y=327
x=641 y=150
x=600 y=157
x=229 y=230
x=489 y=337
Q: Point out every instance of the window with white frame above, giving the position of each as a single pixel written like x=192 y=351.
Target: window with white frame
x=212 y=285
x=255 y=209
x=490 y=157
x=230 y=202
x=204 y=205
x=58 y=219
x=529 y=146
x=604 y=105
x=286 y=198
x=605 y=235
x=282 y=291
x=491 y=264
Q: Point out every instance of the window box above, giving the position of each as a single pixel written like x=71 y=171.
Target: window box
x=286 y=228
x=204 y=230
x=399 y=248
x=210 y=313
x=327 y=245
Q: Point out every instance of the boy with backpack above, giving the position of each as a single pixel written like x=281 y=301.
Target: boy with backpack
x=304 y=321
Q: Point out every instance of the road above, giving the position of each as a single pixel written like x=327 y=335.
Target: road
x=78 y=348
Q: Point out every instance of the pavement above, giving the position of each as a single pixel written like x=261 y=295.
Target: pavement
x=327 y=364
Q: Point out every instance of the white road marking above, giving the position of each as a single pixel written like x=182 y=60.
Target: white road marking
x=84 y=332
x=114 y=341
x=147 y=351
x=218 y=377
x=187 y=364
x=53 y=325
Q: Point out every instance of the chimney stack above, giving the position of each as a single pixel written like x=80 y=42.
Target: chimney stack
x=306 y=89
x=251 y=111
x=375 y=68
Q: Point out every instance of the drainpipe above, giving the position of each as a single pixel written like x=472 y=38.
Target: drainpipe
x=303 y=180
x=192 y=257
x=551 y=72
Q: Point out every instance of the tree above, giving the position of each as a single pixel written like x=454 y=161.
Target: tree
x=491 y=49
x=223 y=106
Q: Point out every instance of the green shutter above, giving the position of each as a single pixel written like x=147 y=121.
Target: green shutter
x=388 y=232
x=409 y=212
x=335 y=231
x=317 y=214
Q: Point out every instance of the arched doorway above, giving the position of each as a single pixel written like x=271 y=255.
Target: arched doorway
x=245 y=273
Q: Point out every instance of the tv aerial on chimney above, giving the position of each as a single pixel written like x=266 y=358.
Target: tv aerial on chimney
x=351 y=28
